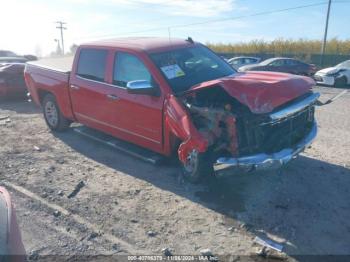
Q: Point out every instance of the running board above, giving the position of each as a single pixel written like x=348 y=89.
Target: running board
x=125 y=147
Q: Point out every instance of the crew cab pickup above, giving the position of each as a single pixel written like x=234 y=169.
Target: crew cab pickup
x=178 y=96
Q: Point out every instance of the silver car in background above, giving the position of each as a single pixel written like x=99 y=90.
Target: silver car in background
x=237 y=62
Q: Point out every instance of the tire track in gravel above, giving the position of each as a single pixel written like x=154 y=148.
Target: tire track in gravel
x=78 y=219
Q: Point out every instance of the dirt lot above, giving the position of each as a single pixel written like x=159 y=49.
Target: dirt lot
x=127 y=206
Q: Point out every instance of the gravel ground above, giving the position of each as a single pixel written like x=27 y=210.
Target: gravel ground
x=127 y=206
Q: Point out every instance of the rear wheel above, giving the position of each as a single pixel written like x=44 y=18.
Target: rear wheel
x=340 y=82
x=53 y=116
x=196 y=167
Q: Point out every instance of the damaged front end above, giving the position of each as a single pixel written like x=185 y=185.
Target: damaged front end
x=239 y=140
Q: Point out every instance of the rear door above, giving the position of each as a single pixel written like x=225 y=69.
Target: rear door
x=93 y=99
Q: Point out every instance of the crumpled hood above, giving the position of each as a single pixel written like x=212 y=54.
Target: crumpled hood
x=328 y=71
x=262 y=92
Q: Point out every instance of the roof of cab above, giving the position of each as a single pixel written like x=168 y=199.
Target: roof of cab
x=147 y=44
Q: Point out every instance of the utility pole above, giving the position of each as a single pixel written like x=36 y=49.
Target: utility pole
x=61 y=27
x=325 y=32
x=58 y=49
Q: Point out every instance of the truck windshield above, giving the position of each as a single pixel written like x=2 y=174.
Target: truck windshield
x=186 y=67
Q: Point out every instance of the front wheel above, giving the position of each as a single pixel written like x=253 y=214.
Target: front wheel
x=340 y=82
x=196 y=167
x=53 y=116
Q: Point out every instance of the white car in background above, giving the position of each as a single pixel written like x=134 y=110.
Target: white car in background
x=338 y=76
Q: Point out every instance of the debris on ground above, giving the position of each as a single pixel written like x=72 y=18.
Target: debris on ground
x=92 y=236
x=167 y=252
x=60 y=161
x=56 y=213
x=36 y=148
x=151 y=233
x=206 y=252
x=5 y=121
x=270 y=254
x=4 y=117
x=60 y=193
x=268 y=243
x=115 y=247
x=231 y=229
x=262 y=252
x=33 y=255
x=76 y=190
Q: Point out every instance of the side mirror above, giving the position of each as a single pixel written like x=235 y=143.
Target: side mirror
x=141 y=87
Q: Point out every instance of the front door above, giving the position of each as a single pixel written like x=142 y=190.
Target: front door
x=139 y=117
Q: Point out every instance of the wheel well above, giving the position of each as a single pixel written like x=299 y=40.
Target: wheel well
x=42 y=93
x=342 y=77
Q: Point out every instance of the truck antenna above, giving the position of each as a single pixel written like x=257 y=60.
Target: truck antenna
x=190 y=40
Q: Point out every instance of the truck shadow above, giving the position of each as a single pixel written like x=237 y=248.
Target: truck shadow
x=19 y=105
x=305 y=206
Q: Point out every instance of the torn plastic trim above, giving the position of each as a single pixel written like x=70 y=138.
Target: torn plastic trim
x=263 y=161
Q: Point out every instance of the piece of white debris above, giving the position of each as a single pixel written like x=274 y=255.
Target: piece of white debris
x=269 y=243
x=206 y=252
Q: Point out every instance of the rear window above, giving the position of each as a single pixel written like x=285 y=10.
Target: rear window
x=92 y=64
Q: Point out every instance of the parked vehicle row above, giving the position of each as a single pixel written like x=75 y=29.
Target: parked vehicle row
x=237 y=62
x=282 y=64
x=338 y=75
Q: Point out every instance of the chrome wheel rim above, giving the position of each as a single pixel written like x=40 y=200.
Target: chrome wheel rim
x=191 y=161
x=51 y=113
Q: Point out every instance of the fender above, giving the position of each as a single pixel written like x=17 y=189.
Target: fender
x=179 y=123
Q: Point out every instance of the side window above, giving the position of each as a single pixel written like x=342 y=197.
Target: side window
x=291 y=62
x=235 y=62
x=92 y=64
x=277 y=63
x=128 y=67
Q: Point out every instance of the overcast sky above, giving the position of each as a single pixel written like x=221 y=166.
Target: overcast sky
x=27 y=26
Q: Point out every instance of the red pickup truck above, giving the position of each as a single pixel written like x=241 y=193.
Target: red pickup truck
x=179 y=96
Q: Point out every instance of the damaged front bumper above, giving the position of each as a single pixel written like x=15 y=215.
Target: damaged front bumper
x=263 y=161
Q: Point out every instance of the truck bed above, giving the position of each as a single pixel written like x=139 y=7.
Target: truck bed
x=50 y=76
x=61 y=64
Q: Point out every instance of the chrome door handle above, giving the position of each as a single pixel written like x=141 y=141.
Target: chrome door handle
x=74 y=87
x=113 y=97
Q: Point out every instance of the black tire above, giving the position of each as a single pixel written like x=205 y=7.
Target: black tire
x=340 y=82
x=52 y=114
x=200 y=169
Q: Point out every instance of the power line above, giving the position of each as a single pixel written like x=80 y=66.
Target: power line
x=61 y=27
x=221 y=19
